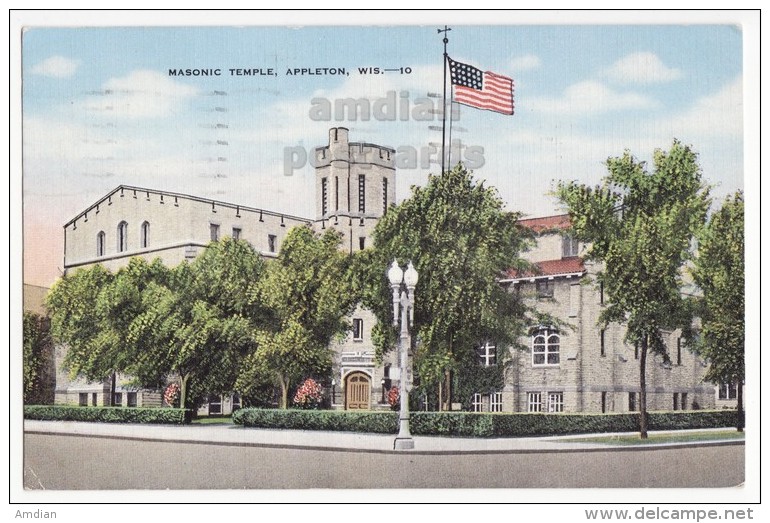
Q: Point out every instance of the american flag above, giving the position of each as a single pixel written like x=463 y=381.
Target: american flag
x=483 y=90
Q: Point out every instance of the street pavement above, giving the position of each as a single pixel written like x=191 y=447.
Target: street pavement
x=225 y=434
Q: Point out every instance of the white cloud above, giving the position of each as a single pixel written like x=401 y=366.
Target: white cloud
x=56 y=67
x=525 y=63
x=643 y=67
x=590 y=97
x=141 y=94
x=717 y=114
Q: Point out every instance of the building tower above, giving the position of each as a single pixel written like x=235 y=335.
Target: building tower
x=355 y=184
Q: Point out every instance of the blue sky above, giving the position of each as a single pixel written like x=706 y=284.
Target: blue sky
x=100 y=109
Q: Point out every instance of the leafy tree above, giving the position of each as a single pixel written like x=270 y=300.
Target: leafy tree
x=641 y=225
x=196 y=321
x=719 y=273
x=307 y=294
x=78 y=321
x=37 y=356
x=461 y=241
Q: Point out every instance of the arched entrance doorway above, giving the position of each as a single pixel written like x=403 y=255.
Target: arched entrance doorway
x=358 y=388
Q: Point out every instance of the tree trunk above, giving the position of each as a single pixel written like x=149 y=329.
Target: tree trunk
x=113 y=379
x=183 y=391
x=284 y=392
x=739 y=397
x=440 y=396
x=643 y=389
x=448 y=388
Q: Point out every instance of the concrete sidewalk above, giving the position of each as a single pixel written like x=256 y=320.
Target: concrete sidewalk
x=338 y=441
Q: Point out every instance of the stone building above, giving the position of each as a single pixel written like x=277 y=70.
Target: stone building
x=578 y=368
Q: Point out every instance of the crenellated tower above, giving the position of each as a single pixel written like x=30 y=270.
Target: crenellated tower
x=355 y=185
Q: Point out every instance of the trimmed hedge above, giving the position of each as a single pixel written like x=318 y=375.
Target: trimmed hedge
x=481 y=425
x=333 y=420
x=108 y=414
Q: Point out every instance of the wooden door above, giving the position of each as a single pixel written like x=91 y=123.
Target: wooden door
x=357 y=391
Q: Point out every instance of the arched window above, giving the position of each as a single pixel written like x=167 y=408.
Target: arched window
x=545 y=347
x=122 y=236
x=145 y=235
x=100 y=244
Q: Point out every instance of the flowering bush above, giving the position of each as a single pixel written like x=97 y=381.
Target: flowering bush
x=171 y=395
x=394 y=398
x=309 y=395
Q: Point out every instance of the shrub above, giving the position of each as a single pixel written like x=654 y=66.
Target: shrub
x=345 y=421
x=309 y=395
x=108 y=414
x=171 y=395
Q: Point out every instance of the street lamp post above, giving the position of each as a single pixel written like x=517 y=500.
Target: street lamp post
x=403 y=284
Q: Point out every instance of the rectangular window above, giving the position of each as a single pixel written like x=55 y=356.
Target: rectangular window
x=214 y=230
x=94 y=399
x=271 y=241
x=555 y=402
x=604 y=402
x=679 y=351
x=118 y=399
x=569 y=247
x=487 y=354
x=728 y=391
x=215 y=404
x=632 y=401
x=534 y=402
x=83 y=399
x=602 y=349
x=361 y=193
x=384 y=195
x=236 y=233
x=361 y=243
x=496 y=402
x=684 y=401
x=324 y=196
x=544 y=288
x=131 y=399
x=478 y=402
x=358 y=329
x=676 y=401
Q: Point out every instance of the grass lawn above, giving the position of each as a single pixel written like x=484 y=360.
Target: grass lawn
x=669 y=437
x=213 y=420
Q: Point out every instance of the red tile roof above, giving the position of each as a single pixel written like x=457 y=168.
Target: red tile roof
x=563 y=266
x=539 y=225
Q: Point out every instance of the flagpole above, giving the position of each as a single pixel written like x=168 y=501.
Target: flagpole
x=443 y=100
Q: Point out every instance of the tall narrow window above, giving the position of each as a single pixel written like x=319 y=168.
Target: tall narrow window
x=601 y=293
x=384 y=195
x=604 y=402
x=534 y=402
x=361 y=243
x=679 y=351
x=324 y=196
x=271 y=242
x=602 y=349
x=100 y=244
x=496 y=402
x=361 y=193
x=122 y=236
x=478 y=402
x=632 y=401
x=684 y=401
x=569 y=247
x=214 y=230
x=676 y=401
x=145 y=235
x=336 y=193
x=358 y=329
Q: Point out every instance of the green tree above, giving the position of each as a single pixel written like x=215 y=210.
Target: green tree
x=37 y=357
x=719 y=273
x=307 y=294
x=461 y=240
x=641 y=225
x=196 y=321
